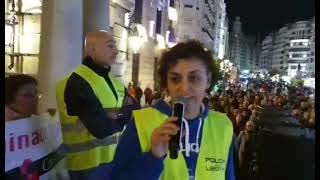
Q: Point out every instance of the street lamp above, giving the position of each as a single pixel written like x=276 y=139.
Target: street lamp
x=225 y=67
x=137 y=37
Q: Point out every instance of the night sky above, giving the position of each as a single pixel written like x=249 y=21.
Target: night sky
x=264 y=16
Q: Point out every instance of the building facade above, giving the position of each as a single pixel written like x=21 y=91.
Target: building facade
x=279 y=51
x=293 y=49
x=158 y=23
x=265 y=61
x=204 y=20
x=22 y=36
x=226 y=39
x=243 y=48
x=236 y=40
x=301 y=48
x=251 y=53
x=220 y=29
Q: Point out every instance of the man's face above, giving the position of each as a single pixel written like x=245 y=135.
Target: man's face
x=250 y=126
x=188 y=79
x=105 y=50
x=238 y=118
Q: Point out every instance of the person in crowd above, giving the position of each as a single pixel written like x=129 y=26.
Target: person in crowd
x=215 y=103
x=21 y=102
x=156 y=97
x=255 y=115
x=131 y=90
x=221 y=105
x=205 y=101
x=186 y=73
x=94 y=107
x=148 y=95
x=312 y=119
x=139 y=93
x=239 y=121
x=21 y=97
x=247 y=143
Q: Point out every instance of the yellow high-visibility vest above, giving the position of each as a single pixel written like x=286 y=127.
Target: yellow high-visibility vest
x=214 y=150
x=84 y=151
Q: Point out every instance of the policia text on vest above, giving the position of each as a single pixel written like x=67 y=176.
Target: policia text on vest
x=213 y=164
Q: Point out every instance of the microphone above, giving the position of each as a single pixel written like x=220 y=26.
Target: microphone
x=174 y=143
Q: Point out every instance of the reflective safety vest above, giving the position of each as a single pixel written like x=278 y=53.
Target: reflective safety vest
x=214 y=150
x=84 y=151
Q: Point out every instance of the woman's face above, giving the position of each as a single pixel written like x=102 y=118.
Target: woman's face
x=312 y=117
x=238 y=118
x=26 y=100
x=222 y=103
x=296 y=112
x=188 y=79
x=235 y=112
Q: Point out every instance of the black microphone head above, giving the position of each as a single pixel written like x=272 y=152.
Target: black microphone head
x=174 y=153
x=178 y=111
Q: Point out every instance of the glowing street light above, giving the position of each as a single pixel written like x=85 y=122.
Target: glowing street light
x=137 y=37
x=226 y=66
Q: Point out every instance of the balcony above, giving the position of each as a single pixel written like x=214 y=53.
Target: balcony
x=299 y=49
x=292 y=61
x=209 y=9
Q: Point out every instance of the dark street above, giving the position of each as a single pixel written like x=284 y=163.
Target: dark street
x=285 y=151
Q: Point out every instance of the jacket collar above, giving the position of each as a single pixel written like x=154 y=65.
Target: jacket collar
x=100 y=70
x=165 y=108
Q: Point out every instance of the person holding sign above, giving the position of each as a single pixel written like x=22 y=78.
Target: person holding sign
x=205 y=145
x=30 y=153
x=21 y=97
x=94 y=107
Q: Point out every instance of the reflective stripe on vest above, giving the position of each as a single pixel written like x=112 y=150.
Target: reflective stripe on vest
x=73 y=148
x=214 y=150
x=84 y=150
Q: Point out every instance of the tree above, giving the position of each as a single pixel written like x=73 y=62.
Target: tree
x=298 y=83
x=273 y=72
x=216 y=73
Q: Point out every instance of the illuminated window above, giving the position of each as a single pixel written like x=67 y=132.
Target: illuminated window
x=151 y=28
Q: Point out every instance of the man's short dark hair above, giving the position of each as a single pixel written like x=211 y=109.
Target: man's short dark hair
x=186 y=50
x=14 y=83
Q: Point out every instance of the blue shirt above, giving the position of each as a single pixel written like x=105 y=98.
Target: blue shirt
x=131 y=163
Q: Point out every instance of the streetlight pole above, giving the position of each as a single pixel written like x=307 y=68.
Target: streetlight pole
x=135 y=40
x=225 y=67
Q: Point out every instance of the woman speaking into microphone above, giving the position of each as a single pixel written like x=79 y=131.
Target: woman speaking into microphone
x=204 y=147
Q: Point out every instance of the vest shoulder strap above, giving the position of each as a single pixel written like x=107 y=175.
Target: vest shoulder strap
x=88 y=74
x=220 y=118
x=146 y=120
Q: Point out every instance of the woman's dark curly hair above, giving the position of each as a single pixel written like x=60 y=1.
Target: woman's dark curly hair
x=14 y=83
x=187 y=50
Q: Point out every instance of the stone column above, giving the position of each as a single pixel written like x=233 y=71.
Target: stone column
x=96 y=15
x=60 y=46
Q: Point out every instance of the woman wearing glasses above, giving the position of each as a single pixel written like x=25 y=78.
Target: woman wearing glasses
x=21 y=97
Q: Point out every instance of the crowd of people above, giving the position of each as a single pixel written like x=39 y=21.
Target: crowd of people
x=146 y=97
x=244 y=108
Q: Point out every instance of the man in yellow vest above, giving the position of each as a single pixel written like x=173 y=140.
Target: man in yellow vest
x=205 y=150
x=93 y=107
